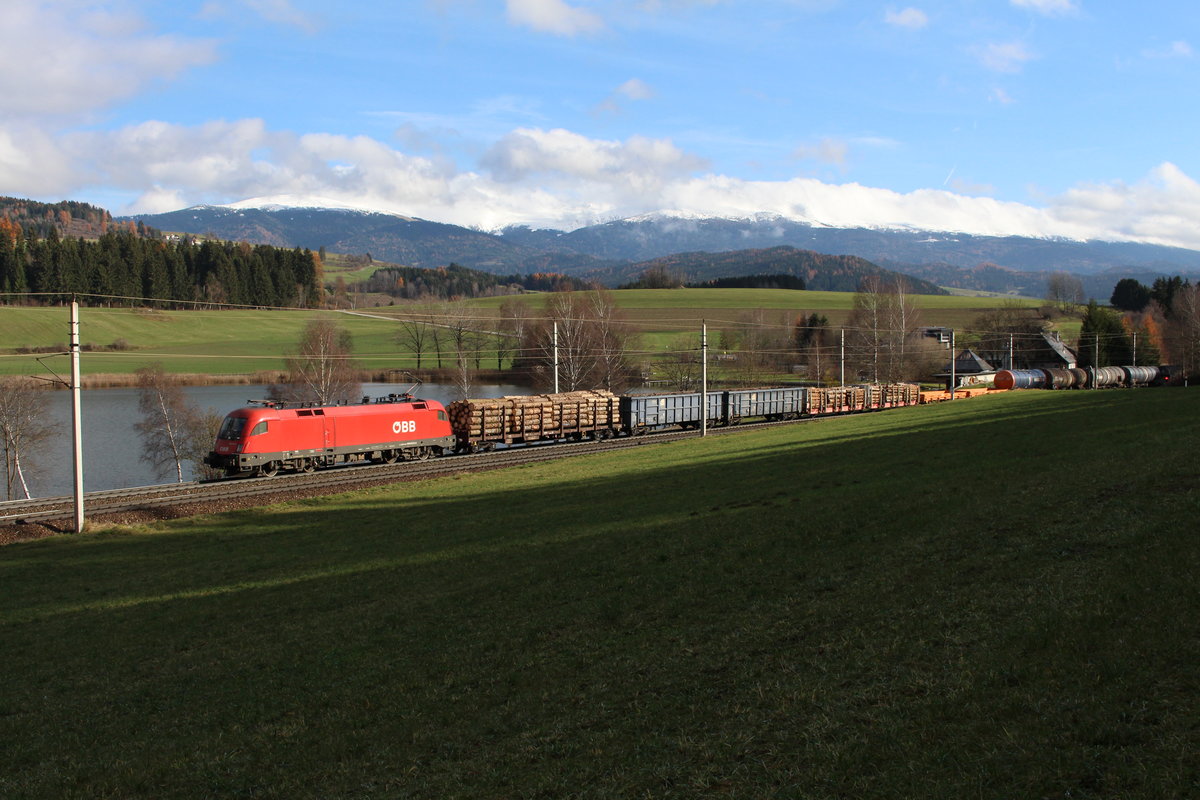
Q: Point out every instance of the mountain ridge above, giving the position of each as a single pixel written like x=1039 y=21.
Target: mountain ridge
x=985 y=263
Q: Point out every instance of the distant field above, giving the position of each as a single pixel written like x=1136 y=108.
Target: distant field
x=664 y=311
x=224 y=342
x=218 y=342
x=996 y=598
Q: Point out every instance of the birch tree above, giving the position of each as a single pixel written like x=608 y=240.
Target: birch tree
x=23 y=425
x=163 y=425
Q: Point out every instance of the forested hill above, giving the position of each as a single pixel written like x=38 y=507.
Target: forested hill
x=127 y=267
x=818 y=271
x=70 y=218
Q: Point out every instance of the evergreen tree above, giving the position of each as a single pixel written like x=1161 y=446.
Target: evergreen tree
x=1103 y=339
x=1130 y=295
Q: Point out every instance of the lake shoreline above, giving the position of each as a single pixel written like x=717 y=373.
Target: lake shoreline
x=116 y=380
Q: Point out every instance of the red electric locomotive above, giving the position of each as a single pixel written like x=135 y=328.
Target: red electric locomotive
x=270 y=436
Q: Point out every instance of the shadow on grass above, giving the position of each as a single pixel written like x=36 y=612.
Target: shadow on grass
x=835 y=472
x=918 y=603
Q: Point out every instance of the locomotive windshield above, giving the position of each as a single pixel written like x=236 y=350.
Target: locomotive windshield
x=232 y=428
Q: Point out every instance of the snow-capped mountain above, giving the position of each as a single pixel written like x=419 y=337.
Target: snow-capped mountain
x=982 y=262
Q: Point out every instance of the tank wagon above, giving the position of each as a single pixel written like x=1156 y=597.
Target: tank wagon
x=1077 y=378
x=267 y=437
x=1020 y=379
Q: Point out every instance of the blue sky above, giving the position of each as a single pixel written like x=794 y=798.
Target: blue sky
x=1040 y=117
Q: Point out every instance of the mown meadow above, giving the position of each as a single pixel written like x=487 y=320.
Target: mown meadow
x=222 y=342
x=992 y=598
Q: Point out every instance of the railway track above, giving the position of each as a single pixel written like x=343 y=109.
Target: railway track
x=204 y=494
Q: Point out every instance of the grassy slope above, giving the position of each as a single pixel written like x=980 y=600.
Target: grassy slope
x=246 y=341
x=995 y=598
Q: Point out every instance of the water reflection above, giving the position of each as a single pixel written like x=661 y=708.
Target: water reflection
x=112 y=448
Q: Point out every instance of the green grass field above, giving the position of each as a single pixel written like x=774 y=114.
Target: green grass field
x=224 y=342
x=996 y=598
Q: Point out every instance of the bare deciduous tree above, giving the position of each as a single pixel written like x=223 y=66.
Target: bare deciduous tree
x=458 y=322
x=1065 y=291
x=415 y=333
x=323 y=370
x=22 y=426
x=1184 y=328
x=867 y=327
x=883 y=321
x=682 y=368
x=612 y=338
x=515 y=317
x=593 y=343
x=761 y=346
x=163 y=425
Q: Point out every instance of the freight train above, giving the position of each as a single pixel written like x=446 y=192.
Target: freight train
x=269 y=436
x=1090 y=378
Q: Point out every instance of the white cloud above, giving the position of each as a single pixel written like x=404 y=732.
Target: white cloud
x=1048 y=8
x=284 y=13
x=554 y=178
x=1004 y=57
x=559 y=155
x=1000 y=96
x=911 y=18
x=33 y=164
x=827 y=151
x=77 y=56
x=635 y=89
x=553 y=16
x=1177 y=49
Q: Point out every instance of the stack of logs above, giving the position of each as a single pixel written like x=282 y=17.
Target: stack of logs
x=895 y=394
x=531 y=417
x=836 y=398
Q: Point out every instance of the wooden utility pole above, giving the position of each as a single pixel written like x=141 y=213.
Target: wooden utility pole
x=556 y=356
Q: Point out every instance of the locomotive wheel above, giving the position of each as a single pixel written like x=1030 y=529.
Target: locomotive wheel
x=425 y=453
x=306 y=466
x=269 y=470
x=389 y=457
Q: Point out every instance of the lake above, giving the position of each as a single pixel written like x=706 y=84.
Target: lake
x=112 y=448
